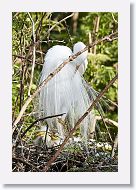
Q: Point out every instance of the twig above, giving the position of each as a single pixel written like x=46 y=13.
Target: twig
x=48 y=33
x=14 y=108
x=36 y=121
x=52 y=41
x=95 y=31
x=21 y=93
x=33 y=64
x=68 y=32
x=114 y=146
x=90 y=41
x=23 y=57
x=51 y=75
x=107 y=120
x=57 y=23
x=114 y=18
x=78 y=123
x=16 y=14
x=104 y=121
x=75 y=19
x=40 y=24
x=63 y=123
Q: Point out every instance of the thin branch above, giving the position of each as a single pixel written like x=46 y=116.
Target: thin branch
x=114 y=146
x=23 y=57
x=48 y=33
x=68 y=32
x=75 y=21
x=95 y=31
x=51 y=75
x=36 y=121
x=52 y=41
x=59 y=22
x=78 y=123
x=107 y=120
x=90 y=41
x=16 y=14
x=33 y=64
x=21 y=93
x=114 y=18
x=40 y=24
x=104 y=122
x=40 y=119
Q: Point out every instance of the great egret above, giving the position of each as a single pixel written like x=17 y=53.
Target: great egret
x=66 y=92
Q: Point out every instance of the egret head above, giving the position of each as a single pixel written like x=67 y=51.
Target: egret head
x=81 y=60
x=78 y=47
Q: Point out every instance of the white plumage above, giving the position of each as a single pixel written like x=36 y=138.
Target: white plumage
x=66 y=91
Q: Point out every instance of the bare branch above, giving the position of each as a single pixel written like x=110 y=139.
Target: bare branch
x=57 y=23
x=114 y=146
x=114 y=18
x=23 y=57
x=40 y=24
x=40 y=119
x=90 y=41
x=52 y=41
x=107 y=120
x=75 y=19
x=95 y=31
x=33 y=64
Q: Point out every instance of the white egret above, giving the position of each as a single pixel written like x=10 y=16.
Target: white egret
x=66 y=92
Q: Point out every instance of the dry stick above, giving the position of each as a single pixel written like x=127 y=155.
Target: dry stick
x=90 y=41
x=68 y=32
x=33 y=64
x=48 y=32
x=52 y=41
x=40 y=119
x=21 y=97
x=114 y=18
x=21 y=93
x=51 y=75
x=95 y=31
x=32 y=124
x=40 y=24
x=57 y=23
x=16 y=14
x=78 y=123
x=23 y=57
x=114 y=146
x=107 y=120
x=75 y=21
x=106 y=126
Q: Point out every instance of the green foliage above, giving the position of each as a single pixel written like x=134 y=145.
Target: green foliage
x=102 y=63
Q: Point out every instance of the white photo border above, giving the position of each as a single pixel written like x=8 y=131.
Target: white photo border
x=123 y=174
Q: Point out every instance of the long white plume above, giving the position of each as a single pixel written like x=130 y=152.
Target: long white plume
x=65 y=92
